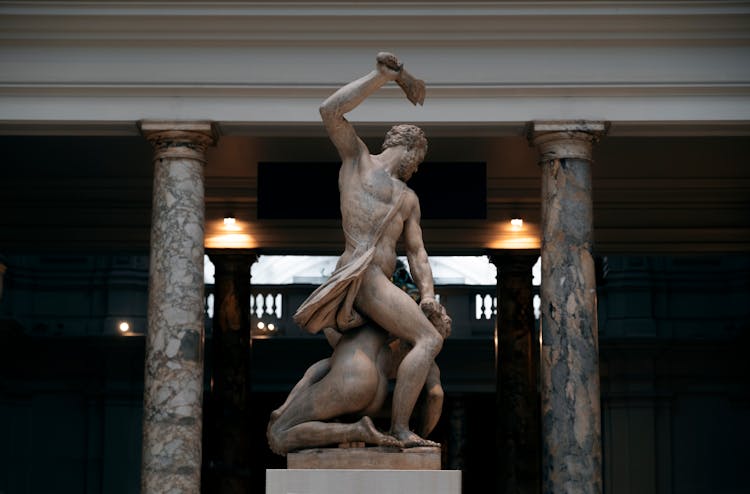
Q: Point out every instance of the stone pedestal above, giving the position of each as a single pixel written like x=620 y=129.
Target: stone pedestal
x=358 y=470
x=365 y=459
x=363 y=481
x=173 y=387
x=570 y=396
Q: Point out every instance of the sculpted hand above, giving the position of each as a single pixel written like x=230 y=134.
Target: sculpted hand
x=429 y=306
x=436 y=314
x=390 y=66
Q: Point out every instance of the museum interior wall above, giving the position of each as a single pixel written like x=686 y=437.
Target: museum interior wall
x=671 y=201
x=674 y=396
x=672 y=313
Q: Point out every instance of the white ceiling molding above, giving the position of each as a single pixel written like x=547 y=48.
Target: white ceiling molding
x=353 y=21
x=261 y=68
x=116 y=115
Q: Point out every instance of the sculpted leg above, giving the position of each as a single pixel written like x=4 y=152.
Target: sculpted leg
x=433 y=404
x=397 y=313
x=313 y=434
x=350 y=382
x=315 y=373
x=404 y=400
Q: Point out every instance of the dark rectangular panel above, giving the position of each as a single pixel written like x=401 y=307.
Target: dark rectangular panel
x=298 y=190
x=449 y=190
x=310 y=190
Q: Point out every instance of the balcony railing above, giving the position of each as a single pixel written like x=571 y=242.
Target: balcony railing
x=472 y=308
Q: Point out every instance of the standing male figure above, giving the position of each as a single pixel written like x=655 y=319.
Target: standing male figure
x=377 y=208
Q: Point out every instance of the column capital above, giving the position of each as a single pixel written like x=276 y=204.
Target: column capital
x=179 y=139
x=518 y=259
x=232 y=257
x=565 y=139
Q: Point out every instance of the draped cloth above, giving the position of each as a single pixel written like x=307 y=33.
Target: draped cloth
x=331 y=305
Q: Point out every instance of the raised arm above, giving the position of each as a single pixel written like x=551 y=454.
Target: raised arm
x=344 y=100
x=332 y=111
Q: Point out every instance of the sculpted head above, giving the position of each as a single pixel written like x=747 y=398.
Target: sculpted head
x=415 y=142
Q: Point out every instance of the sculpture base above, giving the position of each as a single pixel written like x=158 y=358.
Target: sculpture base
x=376 y=458
x=331 y=481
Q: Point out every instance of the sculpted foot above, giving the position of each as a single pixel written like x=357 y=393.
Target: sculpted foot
x=373 y=436
x=409 y=439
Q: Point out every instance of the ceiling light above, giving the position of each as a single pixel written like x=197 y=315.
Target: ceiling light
x=230 y=224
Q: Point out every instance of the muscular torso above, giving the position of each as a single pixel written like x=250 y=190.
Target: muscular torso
x=368 y=194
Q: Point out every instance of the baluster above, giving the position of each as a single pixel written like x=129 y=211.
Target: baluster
x=209 y=308
x=279 y=311
x=259 y=305
x=488 y=306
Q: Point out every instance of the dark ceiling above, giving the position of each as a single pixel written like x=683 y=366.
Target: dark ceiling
x=651 y=194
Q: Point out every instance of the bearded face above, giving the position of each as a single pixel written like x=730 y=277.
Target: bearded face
x=409 y=164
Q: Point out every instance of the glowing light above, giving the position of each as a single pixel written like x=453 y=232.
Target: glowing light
x=271 y=327
x=230 y=240
x=229 y=233
x=510 y=235
x=124 y=326
x=230 y=224
x=525 y=242
x=261 y=325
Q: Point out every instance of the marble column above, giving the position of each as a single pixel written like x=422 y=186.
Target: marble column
x=517 y=374
x=173 y=387
x=455 y=457
x=570 y=395
x=3 y=268
x=228 y=428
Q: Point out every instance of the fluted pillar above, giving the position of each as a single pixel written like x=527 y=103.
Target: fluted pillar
x=516 y=369
x=570 y=396
x=173 y=386
x=229 y=455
